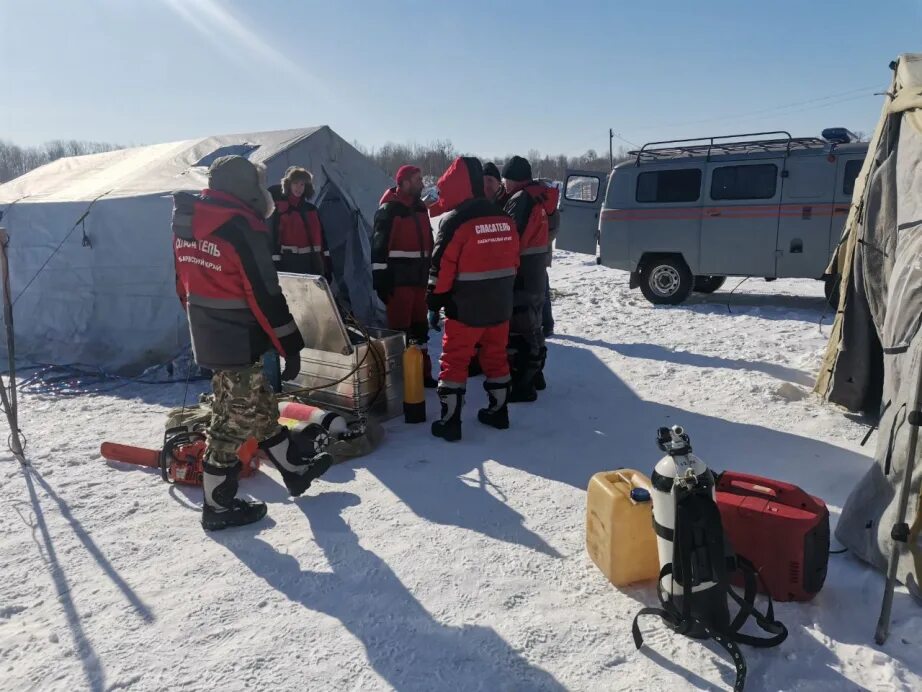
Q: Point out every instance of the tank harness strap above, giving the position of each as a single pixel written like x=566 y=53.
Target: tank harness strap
x=671 y=616
x=663 y=532
x=727 y=644
x=767 y=622
x=683 y=548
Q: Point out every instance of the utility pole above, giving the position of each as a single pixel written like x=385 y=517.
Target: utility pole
x=611 y=148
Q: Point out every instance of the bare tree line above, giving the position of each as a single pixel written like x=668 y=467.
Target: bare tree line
x=433 y=158
x=16 y=161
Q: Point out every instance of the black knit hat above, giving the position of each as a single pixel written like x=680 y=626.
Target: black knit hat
x=490 y=169
x=517 y=169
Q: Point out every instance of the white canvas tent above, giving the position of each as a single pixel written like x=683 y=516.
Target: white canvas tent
x=91 y=259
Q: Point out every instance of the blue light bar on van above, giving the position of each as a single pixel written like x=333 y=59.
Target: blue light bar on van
x=838 y=135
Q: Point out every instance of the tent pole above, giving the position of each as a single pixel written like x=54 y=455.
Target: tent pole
x=900 y=531
x=10 y=402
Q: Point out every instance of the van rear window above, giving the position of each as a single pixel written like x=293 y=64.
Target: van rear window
x=744 y=182
x=680 y=185
x=852 y=169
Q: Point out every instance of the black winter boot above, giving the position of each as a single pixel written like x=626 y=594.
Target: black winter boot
x=221 y=507
x=524 y=369
x=496 y=415
x=300 y=458
x=449 y=427
x=539 y=381
x=429 y=382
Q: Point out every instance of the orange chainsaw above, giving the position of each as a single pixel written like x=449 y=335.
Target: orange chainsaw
x=182 y=457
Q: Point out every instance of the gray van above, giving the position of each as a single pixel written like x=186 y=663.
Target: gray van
x=683 y=215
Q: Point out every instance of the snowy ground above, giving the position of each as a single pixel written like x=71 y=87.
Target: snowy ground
x=436 y=567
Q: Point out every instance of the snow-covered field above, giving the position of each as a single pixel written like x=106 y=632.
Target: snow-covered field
x=429 y=566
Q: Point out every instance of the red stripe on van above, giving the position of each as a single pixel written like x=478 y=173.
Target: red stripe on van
x=754 y=211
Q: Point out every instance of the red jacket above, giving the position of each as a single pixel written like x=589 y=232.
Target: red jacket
x=401 y=247
x=226 y=281
x=299 y=245
x=476 y=252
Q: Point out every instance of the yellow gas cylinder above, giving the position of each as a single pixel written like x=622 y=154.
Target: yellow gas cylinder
x=619 y=526
x=414 y=394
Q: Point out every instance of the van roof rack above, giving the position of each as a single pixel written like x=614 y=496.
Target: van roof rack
x=758 y=142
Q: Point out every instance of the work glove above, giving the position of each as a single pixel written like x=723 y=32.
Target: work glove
x=435 y=302
x=292 y=368
x=291 y=347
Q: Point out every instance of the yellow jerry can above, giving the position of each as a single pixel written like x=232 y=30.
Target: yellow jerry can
x=619 y=526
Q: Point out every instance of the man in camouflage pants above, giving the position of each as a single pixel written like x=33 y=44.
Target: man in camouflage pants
x=244 y=406
x=229 y=288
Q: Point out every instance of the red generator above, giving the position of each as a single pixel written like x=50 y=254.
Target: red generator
x=780 y=529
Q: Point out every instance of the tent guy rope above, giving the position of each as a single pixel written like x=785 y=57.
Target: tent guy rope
x=86 y=243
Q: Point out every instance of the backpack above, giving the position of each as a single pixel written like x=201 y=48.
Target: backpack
x=537 y=231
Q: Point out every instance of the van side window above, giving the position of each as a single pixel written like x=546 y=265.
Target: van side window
x=681 y=185
x=744 y=182
x=582 y=188
x=852 y=169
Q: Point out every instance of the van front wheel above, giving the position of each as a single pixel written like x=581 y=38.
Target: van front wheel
x=708 y=284
x=666 y=280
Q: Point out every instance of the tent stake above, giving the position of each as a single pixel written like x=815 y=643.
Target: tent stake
x=10 y=402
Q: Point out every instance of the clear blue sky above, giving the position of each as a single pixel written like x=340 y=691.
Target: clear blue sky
x=493 y=77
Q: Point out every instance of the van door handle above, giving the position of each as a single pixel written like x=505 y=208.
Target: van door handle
x=713 y=212
x=841 y=210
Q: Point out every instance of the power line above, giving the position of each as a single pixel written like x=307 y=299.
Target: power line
x=783 y=109
x=626 y=141
x=827 y=105
x=867 y=92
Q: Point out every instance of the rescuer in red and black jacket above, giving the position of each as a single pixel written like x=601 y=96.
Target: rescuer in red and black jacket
x=298 y=241
x=494 y=192
x=527 y=205
x=225 y=277
x=230 y=291
x=472 y=277
x=401 y=252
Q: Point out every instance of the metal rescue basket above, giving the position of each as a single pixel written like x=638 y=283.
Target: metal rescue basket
x=354 y=369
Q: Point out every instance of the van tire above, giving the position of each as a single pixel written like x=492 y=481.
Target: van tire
x=665 y=280
x=708 y=284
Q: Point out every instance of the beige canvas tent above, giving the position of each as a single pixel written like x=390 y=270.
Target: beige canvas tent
x=91 y=260
x=875 y=352
x=852 y=371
